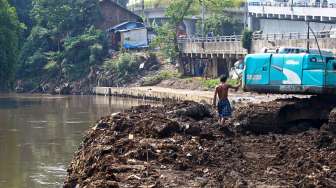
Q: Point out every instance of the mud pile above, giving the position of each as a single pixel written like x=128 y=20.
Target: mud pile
x=181 y=145
x=284 y=115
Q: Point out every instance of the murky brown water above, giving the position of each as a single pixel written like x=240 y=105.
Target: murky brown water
x=39 y=135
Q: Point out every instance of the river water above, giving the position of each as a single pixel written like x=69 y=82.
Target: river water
x=40 y=134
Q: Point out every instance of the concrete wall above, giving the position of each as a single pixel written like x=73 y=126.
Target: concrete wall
x=277 y=26
x=223 y=48
x=326 y=43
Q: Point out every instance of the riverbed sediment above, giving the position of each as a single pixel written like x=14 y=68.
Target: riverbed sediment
x=181 y=145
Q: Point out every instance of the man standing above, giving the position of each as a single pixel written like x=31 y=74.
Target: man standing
x=223 y=105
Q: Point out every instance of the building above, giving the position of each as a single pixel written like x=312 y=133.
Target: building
x=128 y=35
x=114 y=14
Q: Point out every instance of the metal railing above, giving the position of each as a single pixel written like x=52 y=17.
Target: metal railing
x=291 y=36
x=311 y=5
x=146 y=6
x=268 y=37
x=231 y=38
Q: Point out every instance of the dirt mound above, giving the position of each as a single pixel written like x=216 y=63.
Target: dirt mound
x=168 y=147
x=283 y=115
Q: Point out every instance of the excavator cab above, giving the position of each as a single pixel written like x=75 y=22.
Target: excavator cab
x=291 y=72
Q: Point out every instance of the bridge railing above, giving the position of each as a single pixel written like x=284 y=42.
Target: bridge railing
x=269 y=37
x=231 y=38
x=291 y=36
x=146 y=6
x=297 y=4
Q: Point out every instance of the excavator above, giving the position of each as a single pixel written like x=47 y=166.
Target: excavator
x=311 y=73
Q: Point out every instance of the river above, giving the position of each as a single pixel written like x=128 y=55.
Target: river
x=39 y=135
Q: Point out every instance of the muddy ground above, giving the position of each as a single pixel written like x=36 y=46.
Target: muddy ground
x=181 y=145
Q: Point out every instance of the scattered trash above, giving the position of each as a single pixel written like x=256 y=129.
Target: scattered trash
x=168 y=147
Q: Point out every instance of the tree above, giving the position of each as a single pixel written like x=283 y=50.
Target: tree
x=247 y=40
x=176 y=12
x=63 y=43
x=23 y=8
x=9 y=39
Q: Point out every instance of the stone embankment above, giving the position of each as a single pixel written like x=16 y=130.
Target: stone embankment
x=162 y=93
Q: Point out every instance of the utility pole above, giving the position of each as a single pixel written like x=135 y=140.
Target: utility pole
x=308 y=45
x=246 y=14
x=203 y=19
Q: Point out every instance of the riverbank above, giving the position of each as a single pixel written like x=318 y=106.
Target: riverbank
x=163 y=93
x=181 y=145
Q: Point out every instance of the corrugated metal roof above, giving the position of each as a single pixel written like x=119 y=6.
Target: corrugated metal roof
x=126 y=26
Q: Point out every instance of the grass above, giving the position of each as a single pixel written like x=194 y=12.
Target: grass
x=163 y=75
x=212 y=83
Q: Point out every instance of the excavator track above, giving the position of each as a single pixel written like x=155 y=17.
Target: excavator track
x=285 y=115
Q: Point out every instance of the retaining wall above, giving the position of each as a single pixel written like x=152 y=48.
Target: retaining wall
x=156 y=93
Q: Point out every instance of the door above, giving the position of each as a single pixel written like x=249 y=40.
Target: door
x=257 y=68
x=276 y=69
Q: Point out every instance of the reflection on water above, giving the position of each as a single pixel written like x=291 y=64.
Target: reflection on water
x=39 y=135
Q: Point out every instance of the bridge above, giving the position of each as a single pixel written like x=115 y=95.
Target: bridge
x=155 y=12
x=271 y=17
x=214 y=56
x=316 y=12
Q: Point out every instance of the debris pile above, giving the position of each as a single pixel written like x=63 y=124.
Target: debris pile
x=283 y=115
x=181 y=145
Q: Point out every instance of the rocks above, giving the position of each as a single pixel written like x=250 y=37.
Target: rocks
x=101 y=125
x=169 y=146
x=195 y=111
x=166 y=129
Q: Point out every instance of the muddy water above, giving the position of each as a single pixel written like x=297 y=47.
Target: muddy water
x=39 y=135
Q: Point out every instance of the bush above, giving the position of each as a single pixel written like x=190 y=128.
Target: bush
x=165 y=42
x=70 y=59
x=163 y=75
x=212 y=83
x=123 y=66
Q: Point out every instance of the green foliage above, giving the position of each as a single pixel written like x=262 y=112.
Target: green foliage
x=123 y=66
x=163 y=75
x=23 y=8
x=247 y=40
x=63 y=16
x=9 y=38
x=177 y=10
x=210 y=83
x=221 y=24
x=63 y=43
x=165 y=40
x=213 y=83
